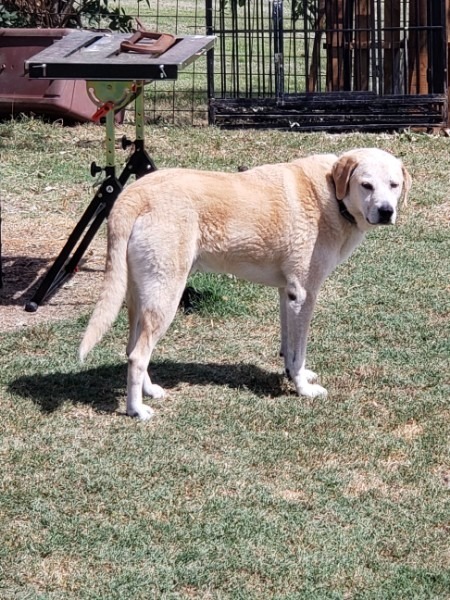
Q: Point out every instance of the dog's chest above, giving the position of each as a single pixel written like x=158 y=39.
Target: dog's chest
x=349 y=245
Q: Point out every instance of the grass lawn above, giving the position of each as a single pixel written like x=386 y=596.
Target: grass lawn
x=237 y=489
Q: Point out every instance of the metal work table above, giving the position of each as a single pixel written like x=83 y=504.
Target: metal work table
x=115 y=73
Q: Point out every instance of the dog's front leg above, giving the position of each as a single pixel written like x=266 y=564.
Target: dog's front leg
x=283 y=323
x=311 y=376
x=299 y=305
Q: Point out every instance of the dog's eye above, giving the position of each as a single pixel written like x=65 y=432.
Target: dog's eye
x=394 y=184
x=367 y=186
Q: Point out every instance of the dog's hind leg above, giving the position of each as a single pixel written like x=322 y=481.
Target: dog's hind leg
x=147 y=325
x=147 y=332
x=148 y=388
x=159 y=262
x=138 y=360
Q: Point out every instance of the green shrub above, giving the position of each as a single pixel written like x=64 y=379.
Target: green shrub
x=65 y=13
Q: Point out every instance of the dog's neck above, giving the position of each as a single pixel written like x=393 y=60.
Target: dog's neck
x=342 y=208
x=344 y=212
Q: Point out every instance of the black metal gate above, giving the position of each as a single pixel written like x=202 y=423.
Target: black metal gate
x=328 y=64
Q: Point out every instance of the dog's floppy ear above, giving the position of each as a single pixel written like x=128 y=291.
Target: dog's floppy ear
x=407 y=182
x=342 y=171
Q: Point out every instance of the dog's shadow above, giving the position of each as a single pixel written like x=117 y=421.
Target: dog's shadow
x=103 y=387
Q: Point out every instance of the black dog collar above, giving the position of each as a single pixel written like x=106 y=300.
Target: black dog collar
x=344 y=212
x=342 y=208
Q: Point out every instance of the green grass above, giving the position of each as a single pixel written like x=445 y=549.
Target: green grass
x=237 y=489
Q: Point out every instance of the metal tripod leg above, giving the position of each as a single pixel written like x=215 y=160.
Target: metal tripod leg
x=64 y=266
x=1 y=261
x=138 y=164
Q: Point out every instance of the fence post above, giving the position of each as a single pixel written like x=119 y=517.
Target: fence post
x=447 y=6
x=210 y=60
x=278 y=50
x=437 y=48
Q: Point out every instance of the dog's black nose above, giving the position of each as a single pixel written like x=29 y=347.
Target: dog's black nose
x=385 y=214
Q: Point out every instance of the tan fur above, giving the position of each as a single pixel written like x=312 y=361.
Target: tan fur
x=277 y=225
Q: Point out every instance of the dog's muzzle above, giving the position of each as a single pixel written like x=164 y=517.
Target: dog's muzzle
x=381 y=215
x=385 y=214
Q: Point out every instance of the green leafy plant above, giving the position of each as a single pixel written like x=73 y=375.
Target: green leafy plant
x=65 y=13
x=11 y=18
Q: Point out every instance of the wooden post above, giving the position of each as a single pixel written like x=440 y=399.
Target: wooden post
x=417 y=47
x=319 y=26
x=362 y=44
x=335 y=45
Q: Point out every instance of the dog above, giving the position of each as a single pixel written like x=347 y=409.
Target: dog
x=285 y=225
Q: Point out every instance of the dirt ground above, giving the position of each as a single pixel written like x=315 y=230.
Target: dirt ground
x=29 y=247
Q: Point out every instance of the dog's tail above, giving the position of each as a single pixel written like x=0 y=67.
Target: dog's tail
x=120 y=225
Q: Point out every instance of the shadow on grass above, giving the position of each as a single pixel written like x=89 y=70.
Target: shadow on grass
x=22 y=276
x=104 y=387
x=100 y=388
x=19 y=275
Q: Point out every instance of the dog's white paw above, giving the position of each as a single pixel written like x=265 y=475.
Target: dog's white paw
x=153 y=390
x=143 y=413
x=311 y=390
x=310 y=376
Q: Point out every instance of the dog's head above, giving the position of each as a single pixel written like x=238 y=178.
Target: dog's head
x=371 y=182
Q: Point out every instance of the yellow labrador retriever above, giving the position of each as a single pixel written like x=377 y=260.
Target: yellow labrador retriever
x=284 y=225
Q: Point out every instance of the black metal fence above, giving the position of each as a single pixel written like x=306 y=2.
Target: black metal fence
x=307 y=64
x=302 y=64
x=329 y=64
x=185 y=101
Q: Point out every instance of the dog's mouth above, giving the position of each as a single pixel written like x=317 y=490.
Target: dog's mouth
x=379 y=222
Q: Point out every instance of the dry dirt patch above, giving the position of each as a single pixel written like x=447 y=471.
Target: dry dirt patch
x=29 y=247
